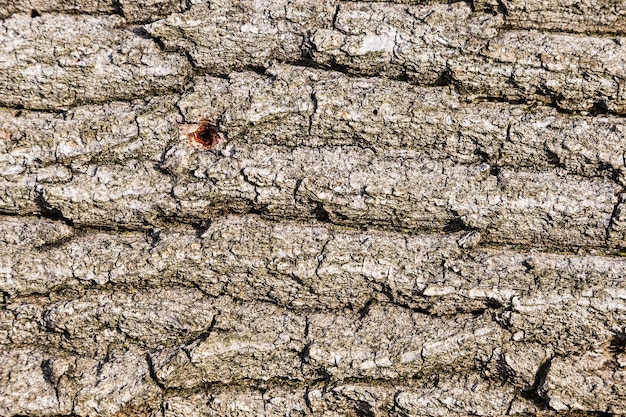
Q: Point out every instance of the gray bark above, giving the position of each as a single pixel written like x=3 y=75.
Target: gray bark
x=305 y=207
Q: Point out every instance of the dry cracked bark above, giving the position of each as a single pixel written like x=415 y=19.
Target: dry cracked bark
x=407 y=208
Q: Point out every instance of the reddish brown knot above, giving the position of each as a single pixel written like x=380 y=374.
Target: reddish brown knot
x=202 y=135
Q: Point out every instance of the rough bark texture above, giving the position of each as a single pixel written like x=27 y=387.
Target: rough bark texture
x=312 y=207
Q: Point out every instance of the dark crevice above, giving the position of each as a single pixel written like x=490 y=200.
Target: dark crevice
x=364 y=311
x=386 y=290
x=20 y=108
x=49 y=212
x=536 y=393
x=480 y=153
x=553 y=158
x=153 y=236
x=363 y=409
x=296 y=188
x=48 y=372
x=614 y=214
x=600 y=107
x=58 y=8
x=445 y=79
x=477 y=98
x=56 y=214
x=201 y=227
x=502 y=9
x=259 y=210
x=260 y=385
x=152 y=372
x=307 y=400
x=58 y=243
x=492 y=303
x=117 y=8
x=456 y=225
x=204 y=334
x=321 y=214
x=599 y=33
x=307 y=327
x=144 y=34
x=77 y=104
x=617 y=344
x=258 y=69
x=596 y=109
x=187 y=54
x=308 y=61
x=313 y=113
x=307 y=48
x=393 y=300
x=531 y=103
x=199 y=71
x=304 y=355
x=335 y=16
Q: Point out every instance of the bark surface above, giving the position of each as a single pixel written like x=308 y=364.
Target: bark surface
x=312 y=207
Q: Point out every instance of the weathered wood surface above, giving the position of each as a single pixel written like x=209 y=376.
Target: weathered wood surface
x=408 y=208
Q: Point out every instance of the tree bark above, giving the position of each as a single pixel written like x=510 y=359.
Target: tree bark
x=312 y=207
